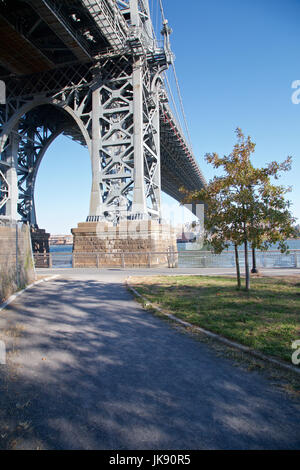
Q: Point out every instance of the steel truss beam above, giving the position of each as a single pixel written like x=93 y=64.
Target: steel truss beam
x=126 y=138
x=29 y=124
x=115 y=111
x=116 y=106
x=33 y=143
x=50 y=12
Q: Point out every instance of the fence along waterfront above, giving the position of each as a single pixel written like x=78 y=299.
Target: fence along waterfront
x=181 y=259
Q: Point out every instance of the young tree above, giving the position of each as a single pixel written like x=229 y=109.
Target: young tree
x=243 y=206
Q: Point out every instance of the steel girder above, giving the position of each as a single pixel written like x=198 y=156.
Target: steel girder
x=113 y=108
x=39 y=35
x=109 y=20
x=115 y=157
x=115 y=105
x=30 y=122
x=126 y=137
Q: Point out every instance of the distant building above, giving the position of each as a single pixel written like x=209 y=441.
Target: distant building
x=61 y=240
x=185 y=237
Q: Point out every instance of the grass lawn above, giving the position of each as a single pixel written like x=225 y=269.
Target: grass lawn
x=266 y=319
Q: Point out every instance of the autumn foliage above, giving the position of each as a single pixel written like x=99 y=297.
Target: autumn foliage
x=244 y=206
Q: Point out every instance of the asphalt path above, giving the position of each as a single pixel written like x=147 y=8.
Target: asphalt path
x=96 y=371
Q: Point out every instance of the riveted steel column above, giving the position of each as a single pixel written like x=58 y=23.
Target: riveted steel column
x=139 y=199
x=134 y=12
x=12 y=176
x=95 y=201
x=135 y=16
x=30 y=182
x=156 y=136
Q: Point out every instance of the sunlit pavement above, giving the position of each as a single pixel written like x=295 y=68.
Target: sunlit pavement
x=96 y=371
x=122 y=274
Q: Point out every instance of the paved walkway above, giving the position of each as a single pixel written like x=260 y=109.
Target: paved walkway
x=95 y=371
x=121 y=274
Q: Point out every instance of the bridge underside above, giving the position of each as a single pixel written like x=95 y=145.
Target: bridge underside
x=90 y=70
x=38 y=35
x=176 y=169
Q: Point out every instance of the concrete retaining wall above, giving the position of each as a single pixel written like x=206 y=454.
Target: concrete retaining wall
x=16 y=262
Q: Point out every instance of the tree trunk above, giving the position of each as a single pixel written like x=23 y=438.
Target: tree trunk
x=247 y=272
x=237 y=264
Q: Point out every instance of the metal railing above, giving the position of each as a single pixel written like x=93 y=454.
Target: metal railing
x=181 y=259
x=110 y=21
x=268 y=259
x=103 y=260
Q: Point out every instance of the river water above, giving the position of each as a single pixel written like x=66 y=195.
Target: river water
x=190 y=256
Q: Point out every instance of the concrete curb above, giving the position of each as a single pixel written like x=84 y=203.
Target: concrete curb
x=14 y=296
x=219 y=338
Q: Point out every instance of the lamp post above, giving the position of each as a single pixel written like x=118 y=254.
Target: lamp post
x=254 y=270
x=17 y=256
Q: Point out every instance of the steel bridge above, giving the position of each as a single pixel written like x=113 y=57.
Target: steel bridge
x=91 y=70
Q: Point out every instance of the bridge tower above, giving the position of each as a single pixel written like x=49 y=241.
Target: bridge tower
x=107 y=99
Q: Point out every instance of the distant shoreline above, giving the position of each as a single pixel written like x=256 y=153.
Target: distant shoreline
x=60 y=244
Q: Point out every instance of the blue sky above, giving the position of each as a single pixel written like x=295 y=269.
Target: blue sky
x=236 y=61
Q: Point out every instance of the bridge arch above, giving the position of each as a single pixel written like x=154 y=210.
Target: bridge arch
x=24 y=140
x=9 y=126
x=26 y=207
